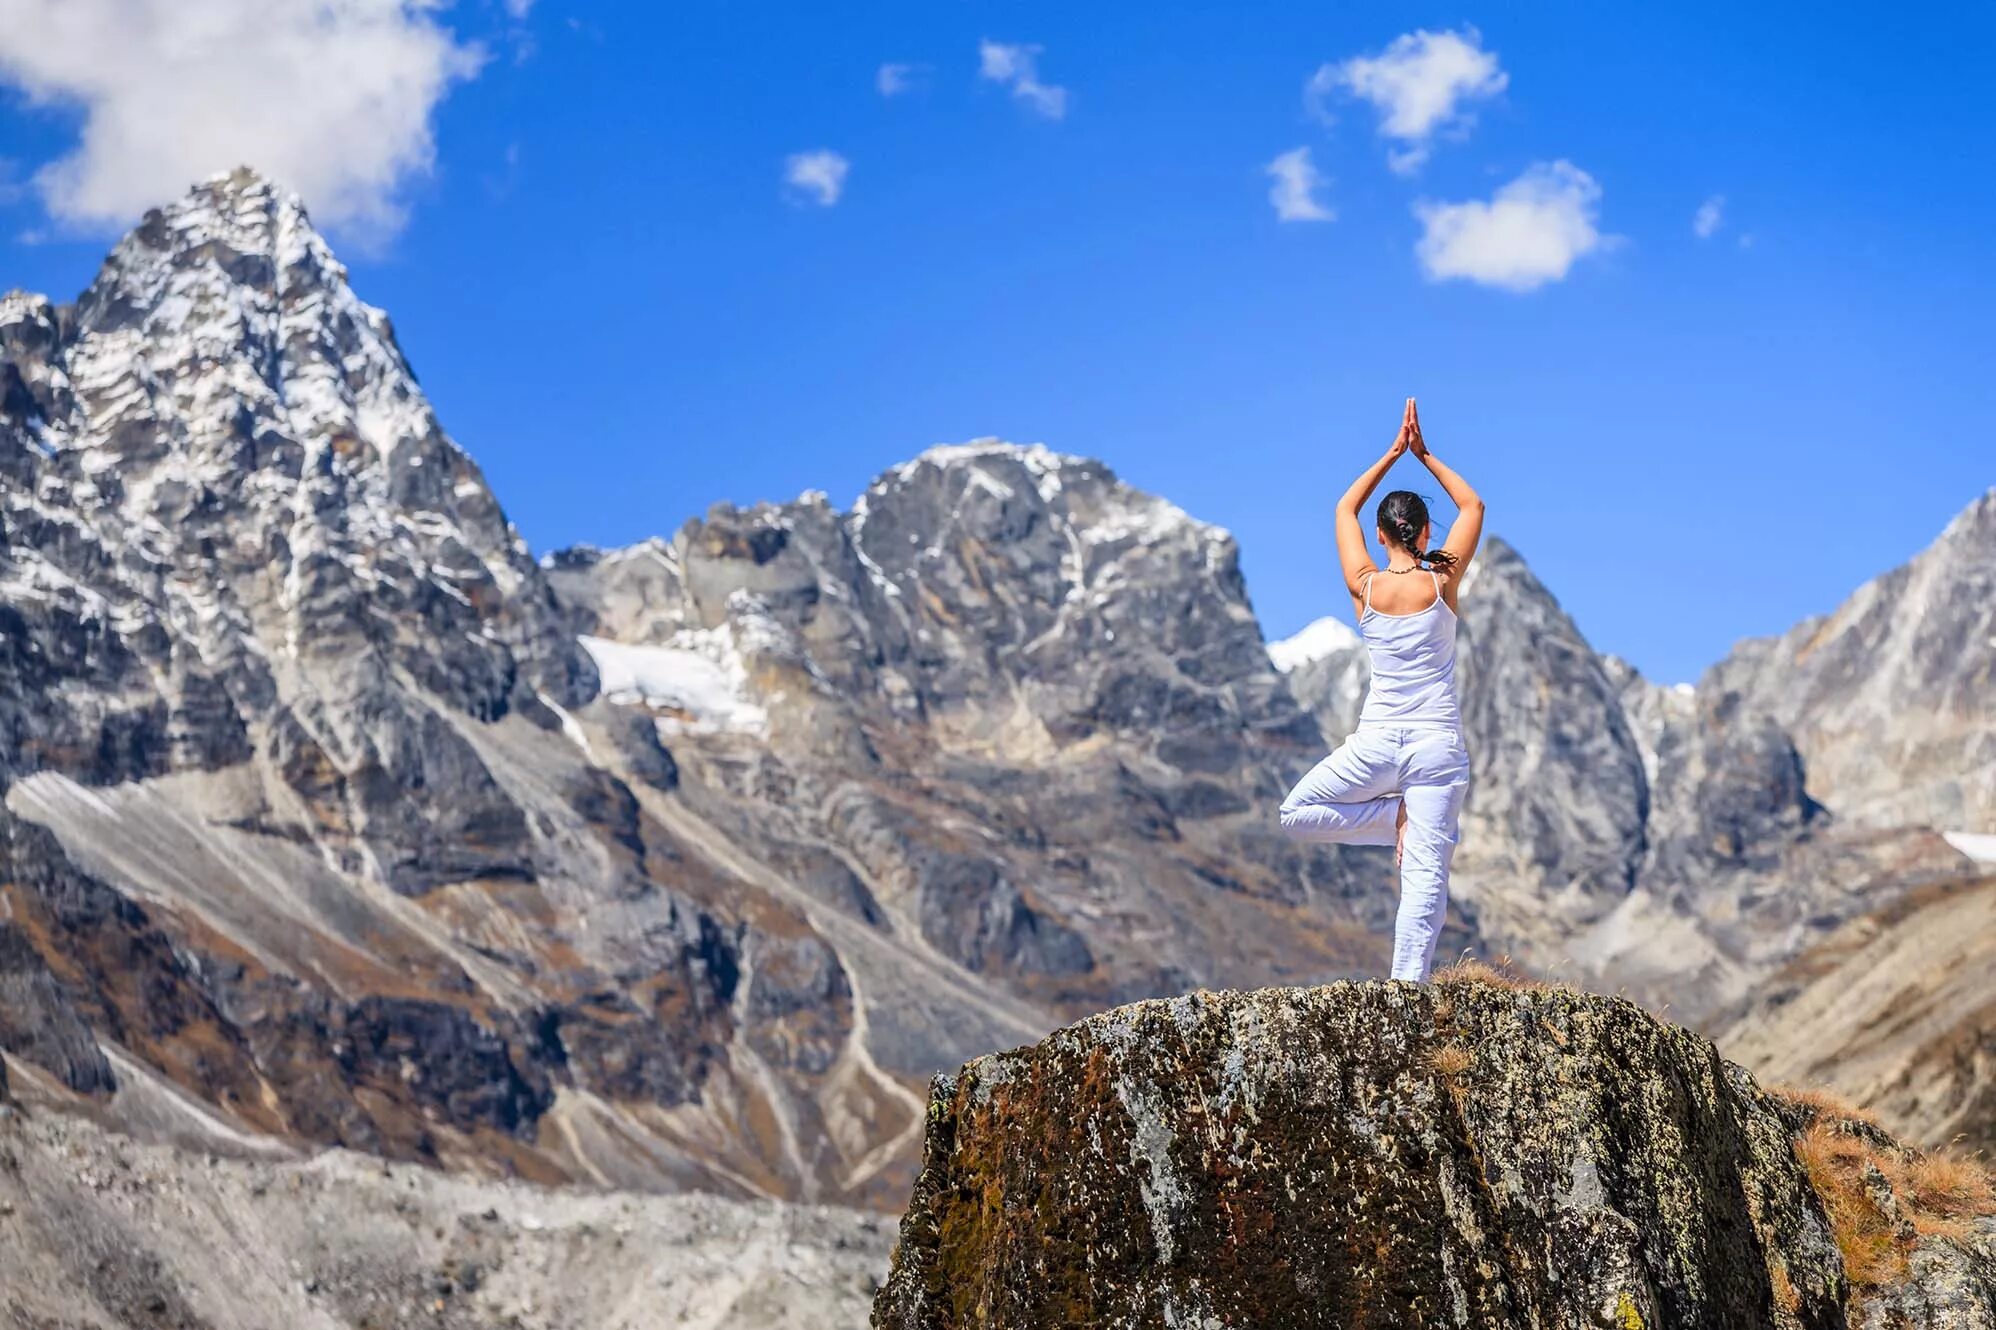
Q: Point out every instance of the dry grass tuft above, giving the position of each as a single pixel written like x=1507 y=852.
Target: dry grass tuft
x=1449 y=1060
x=1503 y=974
x=1946 y=1193
x=1881 y=1198
x=1818 y=1102
x=1874 y=1249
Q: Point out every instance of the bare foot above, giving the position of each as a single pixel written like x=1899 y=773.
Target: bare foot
x=1399 y=832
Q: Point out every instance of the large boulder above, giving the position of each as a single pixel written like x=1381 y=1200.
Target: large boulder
x=1466 y=1154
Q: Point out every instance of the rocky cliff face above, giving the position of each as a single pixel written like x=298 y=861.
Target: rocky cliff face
x=1560 y=799
x=1891 y=699
x=1381 y=1154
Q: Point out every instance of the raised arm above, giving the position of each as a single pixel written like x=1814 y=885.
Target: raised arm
x=1353 y=557
x=1467 y=529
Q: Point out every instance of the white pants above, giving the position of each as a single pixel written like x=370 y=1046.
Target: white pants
x=1354 y=796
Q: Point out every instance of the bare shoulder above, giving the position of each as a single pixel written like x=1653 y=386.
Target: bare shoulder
x=1355 y=580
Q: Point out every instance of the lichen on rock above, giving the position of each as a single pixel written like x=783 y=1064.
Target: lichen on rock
x=1313 y=1157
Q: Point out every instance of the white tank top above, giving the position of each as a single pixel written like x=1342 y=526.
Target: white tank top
x=1413 y=664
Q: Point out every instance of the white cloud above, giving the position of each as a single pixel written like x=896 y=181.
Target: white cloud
x=893 y=79
x=1019 y=68
x=1711 y=215
x=1529 y=233
x=818 y=176
x=1294 y=193
x=519 y=8
x=1318 y=91
x=333 y=97
x=1418 y=85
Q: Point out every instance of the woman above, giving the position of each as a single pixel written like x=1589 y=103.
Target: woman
x=1400 y=777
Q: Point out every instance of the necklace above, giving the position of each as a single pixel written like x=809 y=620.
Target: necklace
x=1411 y=568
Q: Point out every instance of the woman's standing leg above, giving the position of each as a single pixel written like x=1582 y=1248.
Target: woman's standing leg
x=1349 y=798
x=1435 y=769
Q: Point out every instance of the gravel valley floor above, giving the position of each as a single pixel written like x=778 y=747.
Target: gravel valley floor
x=100 y=1230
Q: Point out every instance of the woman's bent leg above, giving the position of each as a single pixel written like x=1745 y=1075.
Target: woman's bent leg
x=1349 y=798
x=1433 y=812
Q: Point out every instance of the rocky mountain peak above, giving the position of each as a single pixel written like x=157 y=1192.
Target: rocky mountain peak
x=998 y=593
x=1891 y=698
x=226 y=318
x=1079 y=492
x=1039 y=566
x=225 y=475
x=247 y=225
x=1973 y=529
x=219 y=401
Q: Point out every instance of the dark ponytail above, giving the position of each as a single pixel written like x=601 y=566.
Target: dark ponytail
x=1402 y=516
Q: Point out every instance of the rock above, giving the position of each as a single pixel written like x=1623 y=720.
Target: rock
x=40 y=1023
x=1950 y=1286
x=1371 y=1154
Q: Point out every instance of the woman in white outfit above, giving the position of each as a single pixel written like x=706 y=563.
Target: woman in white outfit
x=1400 y=777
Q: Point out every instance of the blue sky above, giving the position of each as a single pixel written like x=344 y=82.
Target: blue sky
x=577 y=215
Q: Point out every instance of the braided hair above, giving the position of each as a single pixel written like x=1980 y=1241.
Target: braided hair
x=1403 y=515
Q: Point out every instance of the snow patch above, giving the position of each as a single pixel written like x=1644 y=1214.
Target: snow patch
x=699 y=679
x=1977 y=845
x=1036 y=457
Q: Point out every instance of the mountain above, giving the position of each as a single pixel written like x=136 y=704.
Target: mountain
x=296 y=816
x=1891 y=698
x=333 y=818
x=1030 y=703
x=1461 y=1153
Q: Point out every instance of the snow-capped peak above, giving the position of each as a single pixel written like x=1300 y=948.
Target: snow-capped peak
x=224 y=317
x=1320 y=640
x=1085 y=495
